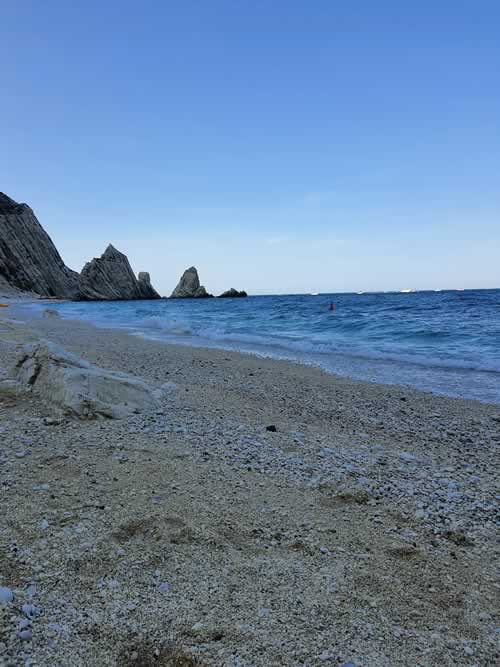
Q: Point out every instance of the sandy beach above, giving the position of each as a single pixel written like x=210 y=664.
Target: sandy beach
x=359 y=530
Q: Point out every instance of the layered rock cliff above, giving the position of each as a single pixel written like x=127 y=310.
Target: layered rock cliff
x=29 y=260
x=189 y=286
x=110 y=277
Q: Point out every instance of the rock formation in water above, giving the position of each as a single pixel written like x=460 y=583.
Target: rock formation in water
x=147 y=290
x=232 y=293
x=29 y=260
x=110 y=277
x=189 y=286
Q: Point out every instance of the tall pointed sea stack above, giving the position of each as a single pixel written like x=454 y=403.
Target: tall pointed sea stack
x=29 y=260
x=110 y=278
x=189 y=286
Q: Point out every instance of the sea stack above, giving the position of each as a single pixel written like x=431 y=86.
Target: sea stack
x=189 y=286
x=110 y=278
x=147 y=290
x=233 y=294
x=29 y=261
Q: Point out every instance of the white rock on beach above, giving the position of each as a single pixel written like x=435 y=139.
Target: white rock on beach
x=78 y=387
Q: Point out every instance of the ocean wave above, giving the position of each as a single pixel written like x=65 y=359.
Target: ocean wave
x=307 y=346
x=427 y=339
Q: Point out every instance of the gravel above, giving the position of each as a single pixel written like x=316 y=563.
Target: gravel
x=360 y=532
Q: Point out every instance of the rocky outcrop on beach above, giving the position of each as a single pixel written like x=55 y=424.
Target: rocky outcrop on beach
x=77 y=387
x=110 y=278
x=29 y=261
x=189 y=286
x=233 y=293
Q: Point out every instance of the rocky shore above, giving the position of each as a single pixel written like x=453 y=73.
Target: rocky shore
x=262 y=513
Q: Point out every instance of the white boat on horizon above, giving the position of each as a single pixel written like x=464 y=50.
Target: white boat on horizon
x=407 y=291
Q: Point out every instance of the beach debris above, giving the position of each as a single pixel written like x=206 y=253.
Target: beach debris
x=79 y=388
x=271 y=428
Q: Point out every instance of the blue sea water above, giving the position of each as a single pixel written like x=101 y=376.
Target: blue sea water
x=447 y=342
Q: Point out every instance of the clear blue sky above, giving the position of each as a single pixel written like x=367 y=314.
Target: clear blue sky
x=280 y=146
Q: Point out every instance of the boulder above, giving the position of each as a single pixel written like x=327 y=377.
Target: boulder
x=110 y=278
x=232 y=293
x=189 y=286
x=77 y=387
x=29 y=260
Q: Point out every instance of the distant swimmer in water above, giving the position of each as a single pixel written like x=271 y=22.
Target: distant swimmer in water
x=332 y=307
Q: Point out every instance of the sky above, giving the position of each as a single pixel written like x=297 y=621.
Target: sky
x=280 y=147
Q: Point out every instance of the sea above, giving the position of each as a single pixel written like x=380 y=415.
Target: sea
x=445 y=342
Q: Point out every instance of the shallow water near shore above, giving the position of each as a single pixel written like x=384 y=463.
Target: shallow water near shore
x=446 y=342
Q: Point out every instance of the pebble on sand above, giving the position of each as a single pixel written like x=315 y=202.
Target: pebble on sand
x=6 y=595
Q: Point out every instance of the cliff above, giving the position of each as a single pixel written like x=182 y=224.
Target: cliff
x=29 y=260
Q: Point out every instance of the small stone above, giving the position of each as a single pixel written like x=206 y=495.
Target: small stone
x=407 y=457
x=272 y=428
x=468 y=650
x=44 y=524
x=25 y=635
x=263 y=612
x=197 y=627
x=52 y=421
x=29 y=610
x=6 y=595
x=163 y=587
x=31 y=591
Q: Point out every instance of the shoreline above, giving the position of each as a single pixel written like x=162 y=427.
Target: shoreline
x=288 y=356
x=360 y=530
